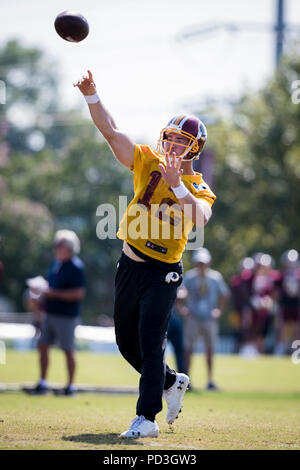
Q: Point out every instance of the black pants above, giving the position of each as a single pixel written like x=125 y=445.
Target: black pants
x=143 y=304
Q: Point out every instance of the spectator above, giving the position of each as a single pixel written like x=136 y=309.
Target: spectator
x=240 y=318
x=175 y=332
x=288 y=294
x=62 y=306
x=206 y=298
x=1 y=265
x=262 y=301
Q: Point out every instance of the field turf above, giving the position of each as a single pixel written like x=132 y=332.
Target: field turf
x=258 y=406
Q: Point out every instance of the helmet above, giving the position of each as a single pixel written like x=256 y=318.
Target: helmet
x=189 y=127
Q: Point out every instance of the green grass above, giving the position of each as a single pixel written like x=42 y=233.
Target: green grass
x=258 y=407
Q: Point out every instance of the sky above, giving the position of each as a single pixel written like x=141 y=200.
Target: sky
x=145 y=71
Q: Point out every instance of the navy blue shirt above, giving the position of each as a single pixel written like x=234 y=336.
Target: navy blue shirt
x=67 y=275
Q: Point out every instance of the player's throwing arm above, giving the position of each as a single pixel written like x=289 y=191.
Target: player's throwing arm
x=122 y=146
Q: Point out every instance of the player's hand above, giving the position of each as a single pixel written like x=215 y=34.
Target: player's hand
x=183 y=310
x=186 y=312
x=172 y=172
x=86 y=85
x=50 y=293
x=216 y=313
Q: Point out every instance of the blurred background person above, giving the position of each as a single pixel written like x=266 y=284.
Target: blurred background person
x=62 y=298
x=288 y=294
x=175 y=331
x=206 y=296
x=1 y=272
x=262 y=300
x=240 y=318
x=1 y=265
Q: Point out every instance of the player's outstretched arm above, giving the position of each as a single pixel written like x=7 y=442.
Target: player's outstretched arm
x=122 y=146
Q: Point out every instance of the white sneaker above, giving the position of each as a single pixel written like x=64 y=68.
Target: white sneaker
x=141 y=427
x=174 y=396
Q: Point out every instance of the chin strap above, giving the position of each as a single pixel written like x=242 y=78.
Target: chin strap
x=196 y=157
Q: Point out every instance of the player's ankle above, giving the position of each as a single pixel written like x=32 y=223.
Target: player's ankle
x=43 y=383
x=150 y=417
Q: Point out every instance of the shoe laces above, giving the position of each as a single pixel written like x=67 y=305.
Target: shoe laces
x=136 y=422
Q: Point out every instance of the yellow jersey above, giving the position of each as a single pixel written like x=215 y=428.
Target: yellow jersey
x=154 y=221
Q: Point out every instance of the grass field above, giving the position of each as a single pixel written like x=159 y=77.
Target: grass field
x=258 y=407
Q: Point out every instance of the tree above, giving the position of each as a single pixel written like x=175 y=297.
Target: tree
x=60 y=183
x=57 y=185
x=257 y=174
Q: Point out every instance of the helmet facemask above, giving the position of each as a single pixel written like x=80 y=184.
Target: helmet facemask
x=175 y=139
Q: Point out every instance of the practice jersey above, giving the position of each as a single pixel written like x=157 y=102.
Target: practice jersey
x=154 y=222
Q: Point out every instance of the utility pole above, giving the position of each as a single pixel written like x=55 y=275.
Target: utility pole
x=280 y=30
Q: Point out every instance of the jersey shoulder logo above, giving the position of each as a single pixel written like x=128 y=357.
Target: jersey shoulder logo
x=200 y=187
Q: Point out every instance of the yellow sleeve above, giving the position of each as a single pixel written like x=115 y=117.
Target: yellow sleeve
x=142 y=156
x=137 y=159
x=203 y=191
x=142 y=161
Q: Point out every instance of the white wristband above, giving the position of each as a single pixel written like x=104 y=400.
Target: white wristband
x=92 y=99
x=205 y=208
x=180 y=191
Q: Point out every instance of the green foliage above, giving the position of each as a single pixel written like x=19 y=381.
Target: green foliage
x=55 y=172
x=59 y=186
x=68 y=189
x=257 y=174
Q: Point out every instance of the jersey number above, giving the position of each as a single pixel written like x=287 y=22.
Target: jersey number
x=152 y=185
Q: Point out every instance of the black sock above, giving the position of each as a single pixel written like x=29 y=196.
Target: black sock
x=172 y=380
x=150 y=417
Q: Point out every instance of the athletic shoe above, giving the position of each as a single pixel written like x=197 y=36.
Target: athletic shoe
x=39 y=390
x=68 y=391
x=174 y=396
x=212 y=386
x=141 y=427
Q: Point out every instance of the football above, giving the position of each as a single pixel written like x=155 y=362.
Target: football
x=71 y=26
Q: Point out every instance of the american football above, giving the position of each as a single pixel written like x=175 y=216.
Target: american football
x=71 y=26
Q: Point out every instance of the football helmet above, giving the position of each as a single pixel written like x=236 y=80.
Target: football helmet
x=191 y=137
